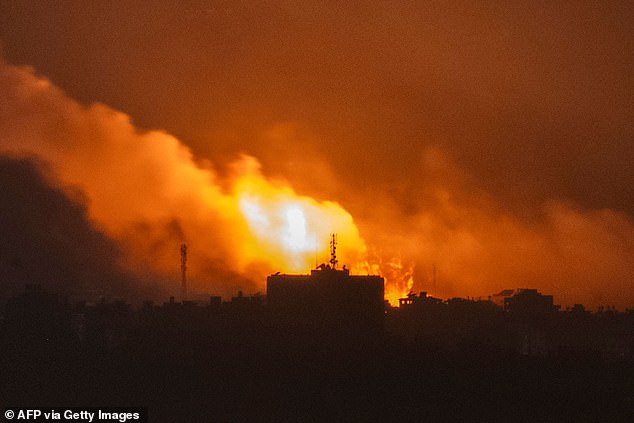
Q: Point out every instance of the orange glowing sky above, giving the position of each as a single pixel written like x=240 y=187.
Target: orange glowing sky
x=492 y=141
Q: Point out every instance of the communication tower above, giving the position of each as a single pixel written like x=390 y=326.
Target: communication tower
x=333 y=251
x=183 y=272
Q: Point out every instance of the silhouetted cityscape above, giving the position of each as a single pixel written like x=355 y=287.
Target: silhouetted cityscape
x=323 y=347
x=170 y=170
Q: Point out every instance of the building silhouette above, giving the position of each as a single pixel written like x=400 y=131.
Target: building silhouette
x=328 y=299
x=524 y=300
x=311 y=351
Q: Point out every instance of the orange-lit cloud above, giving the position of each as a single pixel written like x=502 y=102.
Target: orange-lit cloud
x=145 y=190
x=149 y=192
x=478 y=247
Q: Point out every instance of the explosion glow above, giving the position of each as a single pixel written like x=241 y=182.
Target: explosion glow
x=145 y=190
x=148 y=193
x=401 y=278
x=288 y=230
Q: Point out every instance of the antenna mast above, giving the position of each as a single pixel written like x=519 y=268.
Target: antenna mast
x=183 y=272
x=333 y=251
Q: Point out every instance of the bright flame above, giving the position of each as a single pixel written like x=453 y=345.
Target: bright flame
x=288 y=230
x=399 y=280
x=295 y=238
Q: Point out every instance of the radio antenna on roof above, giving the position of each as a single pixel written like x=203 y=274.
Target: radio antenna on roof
x=333 y=251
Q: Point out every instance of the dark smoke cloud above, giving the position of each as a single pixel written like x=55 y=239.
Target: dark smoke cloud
x=47 y=239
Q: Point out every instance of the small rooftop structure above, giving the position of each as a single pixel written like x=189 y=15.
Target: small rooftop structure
x=524 y=300
x=413 y=299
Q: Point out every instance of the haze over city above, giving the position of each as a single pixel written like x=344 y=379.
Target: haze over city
x=492 y=143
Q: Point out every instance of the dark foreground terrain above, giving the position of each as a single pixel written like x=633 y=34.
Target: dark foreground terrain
x=243 y=364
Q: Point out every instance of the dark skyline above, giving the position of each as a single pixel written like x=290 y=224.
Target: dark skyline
x=320 y=354
x=493 y=141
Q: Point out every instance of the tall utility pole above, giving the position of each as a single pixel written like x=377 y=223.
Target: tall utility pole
x=183 y=272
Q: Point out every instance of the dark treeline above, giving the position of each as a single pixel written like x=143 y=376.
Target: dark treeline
x=456 y=360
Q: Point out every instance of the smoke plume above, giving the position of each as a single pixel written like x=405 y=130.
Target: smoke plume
x=148 y=192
